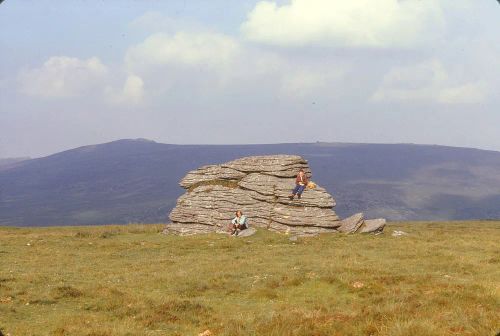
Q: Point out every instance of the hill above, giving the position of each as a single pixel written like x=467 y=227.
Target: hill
x=130 y=280
x=137 y=181
x=9 y=162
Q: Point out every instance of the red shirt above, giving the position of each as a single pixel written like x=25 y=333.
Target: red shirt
x=302 y=179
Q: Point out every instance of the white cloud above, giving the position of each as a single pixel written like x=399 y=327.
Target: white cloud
x=353 y=23
x=154 y=21
x=410 y=83
x=131 y=93
x=464 y=94
x=429 y=81
x=308 y=82
x=210 y=65
x=303 y=83
x=185 y=49
x=62 y=77
x=133 y=88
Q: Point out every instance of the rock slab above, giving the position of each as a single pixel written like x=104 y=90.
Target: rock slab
x=352 y=224
x=373 y=225
x=247 y=233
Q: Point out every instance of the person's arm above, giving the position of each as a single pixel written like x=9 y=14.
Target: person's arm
x=235 y=220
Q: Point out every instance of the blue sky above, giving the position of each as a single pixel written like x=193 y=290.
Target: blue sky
x=81 y=72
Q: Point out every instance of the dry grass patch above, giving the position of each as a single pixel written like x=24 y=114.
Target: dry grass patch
x=440 y=279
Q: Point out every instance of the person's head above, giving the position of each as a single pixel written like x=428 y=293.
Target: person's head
x=301 y=172
x=239 y=213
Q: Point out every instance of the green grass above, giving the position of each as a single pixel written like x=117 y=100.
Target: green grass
x=441 y=279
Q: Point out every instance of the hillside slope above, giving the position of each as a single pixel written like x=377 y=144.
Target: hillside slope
x=9 y=162
x=137 y=181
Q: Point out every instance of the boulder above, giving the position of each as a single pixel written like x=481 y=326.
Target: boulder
x=246 y=233
x=373 y=226
x=259 y=186
x=352 y=224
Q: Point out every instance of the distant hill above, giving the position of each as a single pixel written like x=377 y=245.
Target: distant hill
x=137 y=181
x=8 y=162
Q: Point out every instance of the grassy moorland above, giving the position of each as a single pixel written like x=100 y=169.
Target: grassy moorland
x=440 y=279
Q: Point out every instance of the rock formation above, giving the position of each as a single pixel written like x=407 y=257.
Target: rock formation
x=259 y=186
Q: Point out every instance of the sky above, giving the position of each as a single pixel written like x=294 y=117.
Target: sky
x=74 y=73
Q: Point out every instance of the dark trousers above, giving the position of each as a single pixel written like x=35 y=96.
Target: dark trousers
x=299 y=189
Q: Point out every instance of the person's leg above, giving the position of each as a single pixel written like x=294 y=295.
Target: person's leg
x=300 y=190
x=294 y=192
x=237 y=229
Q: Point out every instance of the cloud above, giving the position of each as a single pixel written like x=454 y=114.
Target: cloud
x=468 y=93
x=310 y=81
x=414 y=82
x=428 y=81
x=303 y=83
x=133 y=89
x=131 y=93
x=154 y=21
x=62 y=77
x=215 y=66
x=355 y=23
x=182 y=49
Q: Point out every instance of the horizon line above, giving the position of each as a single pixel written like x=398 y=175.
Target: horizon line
x=250 y=144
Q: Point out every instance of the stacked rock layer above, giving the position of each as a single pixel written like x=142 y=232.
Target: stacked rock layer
x=259 y=186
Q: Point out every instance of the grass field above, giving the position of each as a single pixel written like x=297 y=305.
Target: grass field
x=440 y=279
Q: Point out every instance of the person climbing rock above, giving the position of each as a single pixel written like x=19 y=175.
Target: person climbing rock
x=240 y=222
x=300 y=184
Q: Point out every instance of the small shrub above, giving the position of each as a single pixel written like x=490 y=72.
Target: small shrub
x=82 y=234
x=107 y=234
x=176 y=311
x=43 y=302
x=67 y=292
x=266 y=293
x=293 y=281
x=110 y=300
x=60 y=332
x=6 y=279
x=99 y=333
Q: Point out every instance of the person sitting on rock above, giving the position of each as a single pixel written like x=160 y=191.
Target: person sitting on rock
x=238 y=223
x=300 y=184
